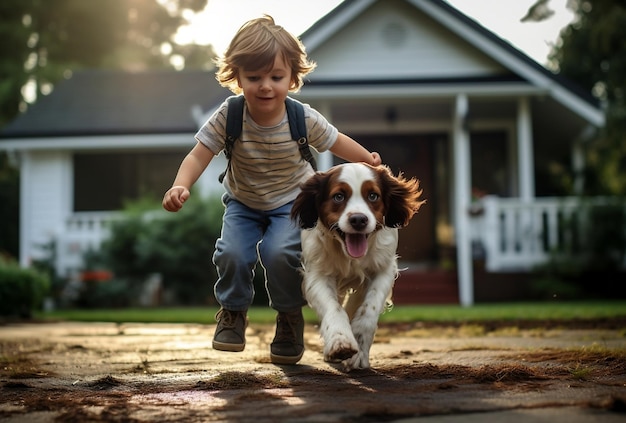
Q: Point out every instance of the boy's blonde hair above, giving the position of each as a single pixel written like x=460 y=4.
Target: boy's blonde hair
x=255 y=47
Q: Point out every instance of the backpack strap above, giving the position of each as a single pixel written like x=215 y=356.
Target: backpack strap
x=234 y=123
x=297 y=127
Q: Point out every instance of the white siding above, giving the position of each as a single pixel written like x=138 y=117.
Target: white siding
x=45 y=202
x=395 y=40
x=208 y=183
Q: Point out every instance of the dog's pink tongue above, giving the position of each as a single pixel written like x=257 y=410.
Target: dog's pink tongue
x=356 y=244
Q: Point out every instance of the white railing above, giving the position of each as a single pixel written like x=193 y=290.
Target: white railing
x=82 y=232
x=517 y=234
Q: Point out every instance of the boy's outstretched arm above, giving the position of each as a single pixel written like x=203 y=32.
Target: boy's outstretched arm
x=350 y=150
x=190 y=170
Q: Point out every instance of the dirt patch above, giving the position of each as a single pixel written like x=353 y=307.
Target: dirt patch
x=141 y=373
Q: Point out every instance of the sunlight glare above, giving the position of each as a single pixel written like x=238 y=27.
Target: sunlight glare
x=166 y=49
x=219 y=21
x=29 y=91
x=177 y=61
x=31 y=61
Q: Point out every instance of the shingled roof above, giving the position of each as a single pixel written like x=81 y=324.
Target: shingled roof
x=109 y=102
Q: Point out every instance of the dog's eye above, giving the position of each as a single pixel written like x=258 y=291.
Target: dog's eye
x=372 y=196
x=339 y=197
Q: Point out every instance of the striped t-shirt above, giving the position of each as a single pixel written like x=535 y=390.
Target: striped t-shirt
x=266 y=166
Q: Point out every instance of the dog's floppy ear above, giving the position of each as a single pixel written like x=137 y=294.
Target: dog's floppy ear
x=401 y=197
x=304 y=208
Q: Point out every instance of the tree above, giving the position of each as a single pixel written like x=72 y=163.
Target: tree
x=44 y=40
x=592 y=52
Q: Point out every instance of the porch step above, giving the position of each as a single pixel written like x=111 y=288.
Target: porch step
x=426 y=286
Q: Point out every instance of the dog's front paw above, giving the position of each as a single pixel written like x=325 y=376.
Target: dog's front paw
x=360 y=360
x=340 y=348
x=340 y=354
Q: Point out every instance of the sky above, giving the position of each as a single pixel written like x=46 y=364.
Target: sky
x=218 y=23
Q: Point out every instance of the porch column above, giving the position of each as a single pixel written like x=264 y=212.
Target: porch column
x=325 y=159
x=462 y=193
x=578 y=165
x=25 y=207
x=526 y=161
x=578 y=158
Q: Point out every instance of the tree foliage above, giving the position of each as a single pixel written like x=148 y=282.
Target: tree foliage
x=43 y=40
x=592 y=52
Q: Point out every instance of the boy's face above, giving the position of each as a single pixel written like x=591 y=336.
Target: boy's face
x=265 y=91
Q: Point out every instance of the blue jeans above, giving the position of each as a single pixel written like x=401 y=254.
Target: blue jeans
x=249 y=235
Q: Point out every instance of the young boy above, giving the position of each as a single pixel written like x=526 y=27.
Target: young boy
x=264 y=62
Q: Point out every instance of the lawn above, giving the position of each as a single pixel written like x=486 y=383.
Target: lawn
x=432 y=313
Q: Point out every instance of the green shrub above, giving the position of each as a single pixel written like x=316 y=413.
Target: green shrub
x=178 y=246
x=606 y=237
x=592 y=266
x=21 y=290
x=114 y=293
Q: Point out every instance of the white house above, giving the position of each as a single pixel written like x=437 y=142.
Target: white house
x=439 y=96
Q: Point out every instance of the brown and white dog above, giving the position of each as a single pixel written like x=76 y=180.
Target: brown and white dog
x=350 y=217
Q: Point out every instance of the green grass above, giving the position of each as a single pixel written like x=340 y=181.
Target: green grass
x=509 y=311
x=435 y=313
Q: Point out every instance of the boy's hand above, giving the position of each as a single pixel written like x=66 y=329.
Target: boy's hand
x=174 y=198
x=376 y=160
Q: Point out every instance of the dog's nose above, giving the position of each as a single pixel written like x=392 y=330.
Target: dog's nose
x=358 y=221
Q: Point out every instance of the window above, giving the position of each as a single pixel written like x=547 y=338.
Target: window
x=105 y=181
x=490 y=174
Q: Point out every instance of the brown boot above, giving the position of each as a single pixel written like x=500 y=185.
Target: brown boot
x=288 y=344
x=230 y=334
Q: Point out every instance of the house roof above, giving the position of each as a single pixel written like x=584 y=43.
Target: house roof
x=501 y=62
x=109 y=102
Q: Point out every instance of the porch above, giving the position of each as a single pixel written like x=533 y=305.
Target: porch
x=82 y=232
x=509 y=237
x=517 y=235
